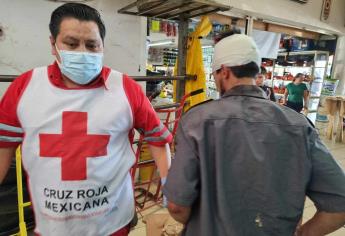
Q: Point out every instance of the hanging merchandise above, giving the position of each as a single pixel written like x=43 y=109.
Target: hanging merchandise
x=156 y=56
x=194 y=63
x=155 y=26
x=174 y=30
x=169 y=30
x=164 y=27
x=169 y=56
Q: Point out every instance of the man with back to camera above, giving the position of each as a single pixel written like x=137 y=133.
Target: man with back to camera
x=243 y=165
x=75 y=119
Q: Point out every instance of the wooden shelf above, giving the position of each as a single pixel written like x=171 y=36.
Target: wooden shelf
x=172 y=9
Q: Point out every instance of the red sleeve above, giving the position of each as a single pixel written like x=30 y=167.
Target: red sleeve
x=145 y=118
x=11 y=133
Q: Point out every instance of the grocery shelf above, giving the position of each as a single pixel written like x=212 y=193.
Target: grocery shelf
x=301 y=53
x=283 y=80
x=284 y=67
x=316 y=70
x=181 y=11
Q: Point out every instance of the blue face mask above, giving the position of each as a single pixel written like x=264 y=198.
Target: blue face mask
x=80 y=67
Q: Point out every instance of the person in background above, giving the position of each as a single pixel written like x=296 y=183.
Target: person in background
x=260 y=79
x=296 y=94
x=75 y=121
x=244 y=165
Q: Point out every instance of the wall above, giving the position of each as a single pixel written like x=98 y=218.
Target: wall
x=292 y=13
x=25 y=43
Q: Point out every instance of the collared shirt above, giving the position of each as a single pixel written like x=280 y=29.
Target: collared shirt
x=55 y=77
x=78 y=141
x=145 y=118
x=245 y=164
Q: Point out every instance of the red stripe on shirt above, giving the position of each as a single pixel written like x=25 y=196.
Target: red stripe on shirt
x=9 y=104
x=10 y=134
x=144 y=116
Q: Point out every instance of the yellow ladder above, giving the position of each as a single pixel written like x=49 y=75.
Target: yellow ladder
x=21 y=203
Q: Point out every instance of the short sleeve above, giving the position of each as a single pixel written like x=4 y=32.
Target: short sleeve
x=305 y=87
x=327 y=183
x=183 y=182
x=288 y=87
x=145 y=119
x=11 y=133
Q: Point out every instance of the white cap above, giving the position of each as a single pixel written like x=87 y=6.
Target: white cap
x=235 y=50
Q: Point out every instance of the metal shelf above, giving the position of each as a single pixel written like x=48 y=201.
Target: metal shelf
x=7 y=78
x=163 y=78
x=172 y=9
x=301 y=53
x=283 y=67
x=10 y=78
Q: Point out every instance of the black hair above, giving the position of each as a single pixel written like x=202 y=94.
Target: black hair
x=299 y=75
x=248 y=70
x=78 y=11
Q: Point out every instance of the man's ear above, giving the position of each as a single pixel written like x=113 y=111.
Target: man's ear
x=52 y=44
x=226 y=72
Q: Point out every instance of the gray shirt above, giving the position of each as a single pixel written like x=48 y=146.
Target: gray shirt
x=245 y=164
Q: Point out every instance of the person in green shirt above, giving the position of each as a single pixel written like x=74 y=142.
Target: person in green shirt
x=295 y=93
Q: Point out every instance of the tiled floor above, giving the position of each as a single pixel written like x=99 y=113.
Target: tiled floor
x=338 y=150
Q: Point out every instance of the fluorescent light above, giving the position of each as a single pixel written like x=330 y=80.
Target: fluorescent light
x=161 y=42
x=207 y=46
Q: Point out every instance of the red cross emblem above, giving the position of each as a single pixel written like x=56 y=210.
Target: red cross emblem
x=73 y=146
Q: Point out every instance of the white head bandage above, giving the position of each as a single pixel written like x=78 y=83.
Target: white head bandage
x=235 y=50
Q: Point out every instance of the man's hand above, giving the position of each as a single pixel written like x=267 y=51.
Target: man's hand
x=321 y=224
x=179 y=213
x=6 y=156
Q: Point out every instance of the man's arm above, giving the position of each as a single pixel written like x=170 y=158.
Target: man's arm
x=6 y=156
x=183 y=182
x=268 y=92
x=285 y=96
x=306 y=99
x=326 y=188
x=162 y=157
x=322 y=223
x=179 y=213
